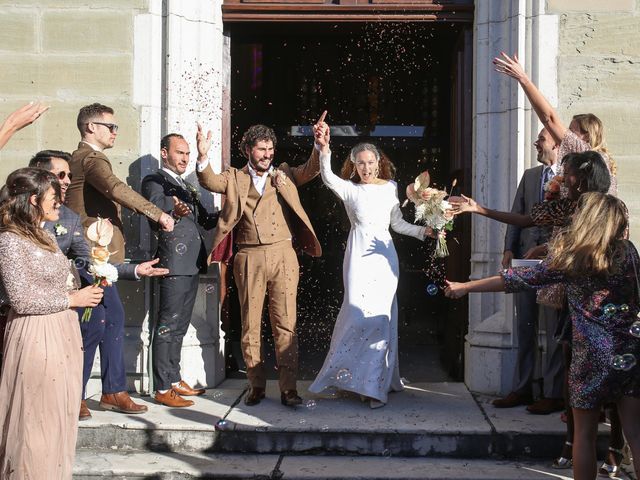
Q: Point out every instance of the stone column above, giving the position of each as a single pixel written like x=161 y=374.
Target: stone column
x=178 y=60
x=504 y=131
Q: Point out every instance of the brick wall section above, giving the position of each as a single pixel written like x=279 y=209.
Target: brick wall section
x=599 y=72
x=68 y=54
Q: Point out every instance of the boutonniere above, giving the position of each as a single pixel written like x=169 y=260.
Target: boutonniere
x=278 y=178
x=60 y=230
x=193 y=191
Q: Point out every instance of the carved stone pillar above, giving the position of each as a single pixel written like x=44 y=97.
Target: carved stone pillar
x=504 y=130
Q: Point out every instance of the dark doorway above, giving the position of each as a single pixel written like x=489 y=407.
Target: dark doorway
x=391 y=84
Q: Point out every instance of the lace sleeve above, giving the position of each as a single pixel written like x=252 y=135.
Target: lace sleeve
x=553 y=213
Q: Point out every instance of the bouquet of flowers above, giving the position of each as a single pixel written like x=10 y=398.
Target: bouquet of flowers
x=553 y=188
x=100 y=234
x=432 y=209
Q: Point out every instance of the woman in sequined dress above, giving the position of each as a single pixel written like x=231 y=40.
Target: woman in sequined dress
x=599 y=268
x=42 y=355
x=585 y=131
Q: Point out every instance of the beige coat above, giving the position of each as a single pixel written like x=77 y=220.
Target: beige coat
x=235 y=185
x=95 y=192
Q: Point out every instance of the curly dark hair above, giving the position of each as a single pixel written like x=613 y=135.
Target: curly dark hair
x=91 y=112
x=386 y=169
x=591 y=170
x=255 y=134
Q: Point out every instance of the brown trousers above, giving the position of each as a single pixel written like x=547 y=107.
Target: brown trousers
x=273 y=269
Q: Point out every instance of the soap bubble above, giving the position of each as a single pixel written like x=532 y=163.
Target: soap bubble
x=386 y=453
x=222 y=425
x=181 y=249
x=432 y=289
x=310 y=404
x=609 y=309
x=325 y=428
x=343 y=375
x=634 y=329
x=624 y=308
x=624 y=362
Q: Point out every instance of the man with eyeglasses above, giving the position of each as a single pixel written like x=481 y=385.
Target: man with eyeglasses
x=102 y=330
x=95 y=191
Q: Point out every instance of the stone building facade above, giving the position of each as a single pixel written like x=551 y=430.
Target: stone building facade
x=163 y=65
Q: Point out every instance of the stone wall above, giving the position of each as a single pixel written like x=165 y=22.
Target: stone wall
x=599 y=72
x=68 y=54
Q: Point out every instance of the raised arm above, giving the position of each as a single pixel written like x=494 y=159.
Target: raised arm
x=469 y=205
x=337 y=185
x=19 y=119
x=310 y=169
x=546 y=113
x=214 y=182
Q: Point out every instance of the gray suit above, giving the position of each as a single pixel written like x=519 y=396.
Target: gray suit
x=528 y=312
x=184 y=253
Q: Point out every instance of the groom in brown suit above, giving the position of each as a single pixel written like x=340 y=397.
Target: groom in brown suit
x=263 y=209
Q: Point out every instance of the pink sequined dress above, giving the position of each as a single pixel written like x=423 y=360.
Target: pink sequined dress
x=41 y=380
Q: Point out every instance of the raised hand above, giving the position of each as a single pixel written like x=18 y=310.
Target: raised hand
x=322 y=132
x=147 y=269
x=510 y=66
x=19 y=119
x=204 y=143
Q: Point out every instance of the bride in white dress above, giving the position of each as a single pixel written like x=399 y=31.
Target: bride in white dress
x=363 y=357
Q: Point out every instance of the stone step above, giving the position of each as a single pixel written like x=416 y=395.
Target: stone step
x=92 y=465
x=427 y=419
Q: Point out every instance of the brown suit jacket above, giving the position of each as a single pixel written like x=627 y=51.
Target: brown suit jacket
x=96 y=192
x=235 y=185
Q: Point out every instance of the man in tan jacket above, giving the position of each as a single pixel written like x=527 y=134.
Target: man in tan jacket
x=263 y=209
x=96 y=192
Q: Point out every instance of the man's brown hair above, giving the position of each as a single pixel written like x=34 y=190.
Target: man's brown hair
x=91 y=112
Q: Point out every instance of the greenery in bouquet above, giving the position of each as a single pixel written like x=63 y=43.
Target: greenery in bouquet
x=432 y=210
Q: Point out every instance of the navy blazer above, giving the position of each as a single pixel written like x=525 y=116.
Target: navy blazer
x=182 y=251
x=69 y=234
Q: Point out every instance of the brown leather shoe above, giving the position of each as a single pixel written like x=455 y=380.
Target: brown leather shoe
x=120 y=402
x=85 y=414
x=185 y=390
x=254 y=395
x=545 y=406
x=171 y=399
x=290 y=398
x=512 y=400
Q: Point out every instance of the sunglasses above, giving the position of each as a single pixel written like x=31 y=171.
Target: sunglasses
x=113 y=128
x=62 y=175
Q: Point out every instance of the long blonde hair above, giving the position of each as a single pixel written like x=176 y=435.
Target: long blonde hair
x=593 y=243
x=592 y=127
x=17 y=214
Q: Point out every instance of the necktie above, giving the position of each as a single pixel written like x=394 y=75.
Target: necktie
x=547 y=174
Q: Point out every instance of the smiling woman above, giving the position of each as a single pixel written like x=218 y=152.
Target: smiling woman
x=42 y=338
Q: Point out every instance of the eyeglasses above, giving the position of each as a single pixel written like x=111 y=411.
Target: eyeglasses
x=113 y=128
x=62 y=175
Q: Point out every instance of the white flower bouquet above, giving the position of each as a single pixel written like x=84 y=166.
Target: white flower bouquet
x=100 y=234
x=432 y=209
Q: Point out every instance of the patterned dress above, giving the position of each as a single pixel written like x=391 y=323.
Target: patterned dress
x=41 y=379
x=601 y=310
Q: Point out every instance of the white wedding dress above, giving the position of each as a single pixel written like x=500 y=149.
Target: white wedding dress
x=363 y=357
